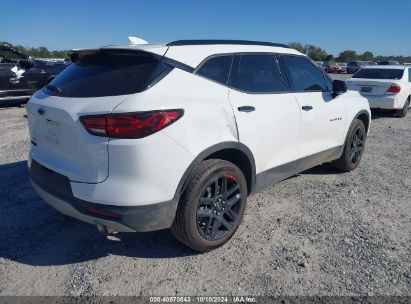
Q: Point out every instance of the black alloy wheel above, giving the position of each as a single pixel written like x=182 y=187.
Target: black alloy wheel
x=212 y=205
x=353 y=147
x=218 y=207
x=357 y=145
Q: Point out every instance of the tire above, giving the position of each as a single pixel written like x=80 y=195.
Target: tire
x=353 y=147
x=403 y=112
x=203 y=205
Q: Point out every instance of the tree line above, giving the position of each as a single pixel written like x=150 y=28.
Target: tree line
x=318 y=54
x=40 y=52
x=314 y=52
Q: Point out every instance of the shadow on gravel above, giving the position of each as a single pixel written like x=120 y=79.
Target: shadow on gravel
x=321 y=170
x=12 y=103
x=33 y=233
x=377 y=114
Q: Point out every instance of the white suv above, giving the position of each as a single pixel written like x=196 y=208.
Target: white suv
x=148 y=137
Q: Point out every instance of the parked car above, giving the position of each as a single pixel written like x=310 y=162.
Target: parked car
x=178 y=135
x=343 y=66
x=21 y=76
x=355 y=66
x=385 y=87
x=388 y=62
x=331 y=67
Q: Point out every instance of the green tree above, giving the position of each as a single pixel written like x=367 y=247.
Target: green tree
x=347 y=55
x=315 y=53
x=329 y=57
x=297 y=46
x=367 y=56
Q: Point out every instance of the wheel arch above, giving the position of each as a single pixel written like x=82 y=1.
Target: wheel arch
x=234 y=152
x=364 y=116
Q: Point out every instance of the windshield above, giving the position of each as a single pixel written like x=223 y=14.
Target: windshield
x=394 y=74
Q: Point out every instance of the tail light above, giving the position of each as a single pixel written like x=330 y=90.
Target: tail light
x=394 y=89
x=130 y=125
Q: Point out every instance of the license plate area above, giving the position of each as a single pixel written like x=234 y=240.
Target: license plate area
x=366 y=89
x=52 y=131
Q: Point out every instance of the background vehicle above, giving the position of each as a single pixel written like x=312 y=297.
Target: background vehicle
x=179 y=135
x=343 y=66
x=21 y=76
x=355 y=66
x=388 y=62
x=331 y=67
x=385 y=87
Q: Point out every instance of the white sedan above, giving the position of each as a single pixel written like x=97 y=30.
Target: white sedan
x=385 y=87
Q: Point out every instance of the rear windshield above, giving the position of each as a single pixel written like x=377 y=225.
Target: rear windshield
x=379 y=74
x=106 y=73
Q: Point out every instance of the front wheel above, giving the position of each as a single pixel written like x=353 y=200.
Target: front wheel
x=403 y=112
x=212 y=206
x=353 y=147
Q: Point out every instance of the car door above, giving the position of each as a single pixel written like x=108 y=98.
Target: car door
x=323 y=117
x=267 y=117
x=36 y=75
x=10 y=73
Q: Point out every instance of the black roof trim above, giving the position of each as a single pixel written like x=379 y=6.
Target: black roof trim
x=237 y=42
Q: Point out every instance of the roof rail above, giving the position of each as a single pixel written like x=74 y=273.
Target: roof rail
x=237 y=42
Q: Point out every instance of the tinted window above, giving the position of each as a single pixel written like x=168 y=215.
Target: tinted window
x=256 y=73
x=217 y=68
x=105 y=73
x=379 y=74
x=304 y=76
x=409 y=74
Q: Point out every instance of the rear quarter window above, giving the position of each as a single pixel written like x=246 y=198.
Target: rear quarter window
x=409 y=74
x=216 y=68
x=106 y=73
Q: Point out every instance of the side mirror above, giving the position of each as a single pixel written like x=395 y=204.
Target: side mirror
x=27 y=64
x=339 y=87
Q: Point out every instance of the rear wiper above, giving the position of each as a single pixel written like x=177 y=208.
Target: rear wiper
x=54 y=89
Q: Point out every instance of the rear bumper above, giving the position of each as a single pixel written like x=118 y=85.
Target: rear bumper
x=55 y=190
x=384 y=102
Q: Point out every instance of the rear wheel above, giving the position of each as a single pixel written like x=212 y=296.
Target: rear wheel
x=403 y=112
x=212 y=206
x=353 y=147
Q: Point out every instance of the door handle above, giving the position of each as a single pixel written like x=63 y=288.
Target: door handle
x=307 y=108
x=246 y=109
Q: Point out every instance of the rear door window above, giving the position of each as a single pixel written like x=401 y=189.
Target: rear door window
x=304 y=75
x=217 y=68
x=256 y=73
x=106 y=73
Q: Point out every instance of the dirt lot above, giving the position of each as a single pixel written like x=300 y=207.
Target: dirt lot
x=318 y=233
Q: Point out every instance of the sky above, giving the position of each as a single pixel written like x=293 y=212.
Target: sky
x=382 y=27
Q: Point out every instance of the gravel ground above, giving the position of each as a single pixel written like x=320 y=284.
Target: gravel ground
x=318 y=233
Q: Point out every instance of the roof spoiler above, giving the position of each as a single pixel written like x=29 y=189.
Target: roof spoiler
x=136 y=41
